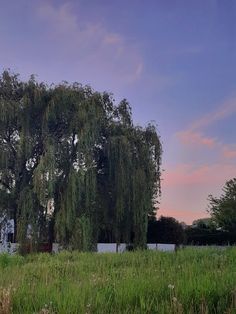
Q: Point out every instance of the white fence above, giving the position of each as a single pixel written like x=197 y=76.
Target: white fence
x=111 y=247
x=106 y=247
x=12 y=248
x=166 y=247
x=161 y=247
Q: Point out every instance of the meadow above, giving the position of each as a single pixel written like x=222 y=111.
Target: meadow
x=188 y=281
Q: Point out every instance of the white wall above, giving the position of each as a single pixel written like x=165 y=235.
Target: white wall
x=106 y=247
x=165 y=247
x=161 y=247
x=101 y=247
x=111 y=247
x=122 y=247
x=152 y=246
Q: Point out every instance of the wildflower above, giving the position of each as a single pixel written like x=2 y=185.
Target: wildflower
x=170 y=286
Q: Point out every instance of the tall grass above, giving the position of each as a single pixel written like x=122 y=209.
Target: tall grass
x=189 y=281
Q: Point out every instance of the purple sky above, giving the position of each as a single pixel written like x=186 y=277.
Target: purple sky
x=175 y=61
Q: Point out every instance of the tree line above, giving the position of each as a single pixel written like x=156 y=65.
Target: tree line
x=73 y=166
x=218 y=229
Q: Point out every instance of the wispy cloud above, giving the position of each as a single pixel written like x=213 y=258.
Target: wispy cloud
x=210 y=162
x=229 y=152
x=60 y=17
x=185 y=50
x=186 y=188
x=222 y=112
x=188 y=174
x=92 y=43
x=194 y=134
x=113 y=39
x=196 y=138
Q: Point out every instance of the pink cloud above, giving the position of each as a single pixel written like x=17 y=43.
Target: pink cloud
x=222 y=112
x=194 y=133
x=229 y=153
x=185 y=215
x=185 y=189
x=186 y=186
x=186 y=174
x=196 y=138
x=113 y=39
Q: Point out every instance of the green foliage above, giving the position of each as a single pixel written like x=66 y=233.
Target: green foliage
x=82 y=236
x=165 y=230
x=73 y=164
x=223 y=209
x=208 y=236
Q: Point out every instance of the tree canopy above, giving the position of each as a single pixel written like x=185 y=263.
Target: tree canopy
x=223 y=208
x=73 y=164
x=165 y=230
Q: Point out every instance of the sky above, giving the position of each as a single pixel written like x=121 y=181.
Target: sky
x=174 y=61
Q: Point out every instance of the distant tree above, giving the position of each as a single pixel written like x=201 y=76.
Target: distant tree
x=183 y=224
x=223 y=209
x=165 y=230
x=197 y=235
x=203 y=223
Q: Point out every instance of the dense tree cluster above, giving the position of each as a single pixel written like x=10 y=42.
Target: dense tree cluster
x=73 y=165
x=220 y=228
x=208 y=236
x=223 y=208
x=165 y=230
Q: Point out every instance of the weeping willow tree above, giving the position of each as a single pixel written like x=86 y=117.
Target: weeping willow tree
x=134 y=157
x=73 y=165
x=21 y=105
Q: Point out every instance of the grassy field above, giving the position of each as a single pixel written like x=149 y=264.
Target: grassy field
x=189 y=281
